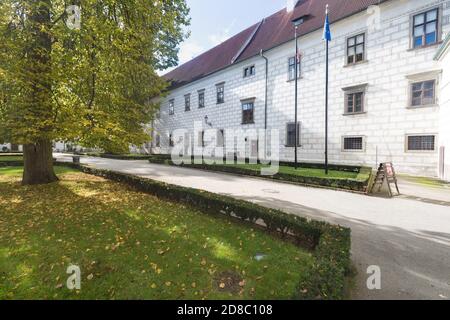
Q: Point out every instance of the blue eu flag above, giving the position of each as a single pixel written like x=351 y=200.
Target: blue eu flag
x=326 y=28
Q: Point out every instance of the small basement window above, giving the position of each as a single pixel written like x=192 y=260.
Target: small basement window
x=353 y=144
x=421 y=143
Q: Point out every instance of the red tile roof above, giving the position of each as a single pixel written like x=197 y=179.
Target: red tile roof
x=272 y=32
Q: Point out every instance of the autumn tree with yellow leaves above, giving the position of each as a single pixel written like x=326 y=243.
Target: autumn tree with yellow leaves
x=82 y=71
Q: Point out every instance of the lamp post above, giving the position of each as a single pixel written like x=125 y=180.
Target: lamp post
x=297 y=24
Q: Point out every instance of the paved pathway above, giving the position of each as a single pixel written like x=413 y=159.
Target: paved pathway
x=408 y=239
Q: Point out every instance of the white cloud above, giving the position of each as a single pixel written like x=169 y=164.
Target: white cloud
x=188 y=51
x=224 y=35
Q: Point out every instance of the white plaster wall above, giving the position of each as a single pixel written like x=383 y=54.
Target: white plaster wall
x=444 y=138
x=387 y=120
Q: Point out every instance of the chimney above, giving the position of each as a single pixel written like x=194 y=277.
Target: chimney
x=290 y=5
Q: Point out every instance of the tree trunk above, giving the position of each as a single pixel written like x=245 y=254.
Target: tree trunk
x=37 y=156
x=38 y=163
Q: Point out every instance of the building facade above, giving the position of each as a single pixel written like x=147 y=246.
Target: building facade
x=388 y=95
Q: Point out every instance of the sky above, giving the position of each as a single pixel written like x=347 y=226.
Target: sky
x=214 y=21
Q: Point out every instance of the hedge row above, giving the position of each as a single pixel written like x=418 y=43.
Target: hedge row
x=161 y=158
x=115 y=156
x=11 y=163
x=345 y=184
x=331 y=244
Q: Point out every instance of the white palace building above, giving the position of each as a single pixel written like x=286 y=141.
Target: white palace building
x=389 y=94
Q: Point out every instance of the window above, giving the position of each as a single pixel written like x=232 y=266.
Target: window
x=171 y=142
x=201 y=99
x=290 y=135
x=158 y=141
x=249 y=71
x=421 y=143
x=247 y=112
x=220 y=93
x=354 y=102
x=292 y=68
x=356 y=49
x=425 y=28
x=187 y=102
x=353 y=143
x=171 y=107
x=423 y=93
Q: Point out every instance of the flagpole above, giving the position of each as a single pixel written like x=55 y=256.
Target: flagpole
x=326 y=112
x=327 y=40
x=296 y=97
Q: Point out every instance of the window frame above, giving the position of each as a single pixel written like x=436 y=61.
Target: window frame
x=218 y=87
x=347 y=48
x=171 y=107
x=299 y=135
x=363 y=144
x=439 y=18
x=291 y=66
x=248 y=73
x=248 y=102
x=187 y=102
x=201 y=93
x=411 y=93
x=408 y=136
x=352 y=91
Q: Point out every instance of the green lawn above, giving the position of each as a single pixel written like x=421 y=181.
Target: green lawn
x=425 y=181
x=131 y=245
x=11 y=158
x=307 y=172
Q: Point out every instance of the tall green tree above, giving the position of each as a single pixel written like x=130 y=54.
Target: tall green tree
x=89 y=78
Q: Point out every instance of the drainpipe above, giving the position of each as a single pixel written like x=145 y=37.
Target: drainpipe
x=267 y=84
x=265 y=101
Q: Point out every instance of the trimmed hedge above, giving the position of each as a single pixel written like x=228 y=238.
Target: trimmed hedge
x=11 y=163
x=115 y=156
x=344 y=184
x=325 y=279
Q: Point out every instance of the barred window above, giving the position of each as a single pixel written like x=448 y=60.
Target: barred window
x=353 y=143
x=425 y=29
x=423 y=93
x=356 y=49
x=421 y=143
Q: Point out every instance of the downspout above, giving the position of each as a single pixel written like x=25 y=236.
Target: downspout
x=266 y=87
x=265 y=101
